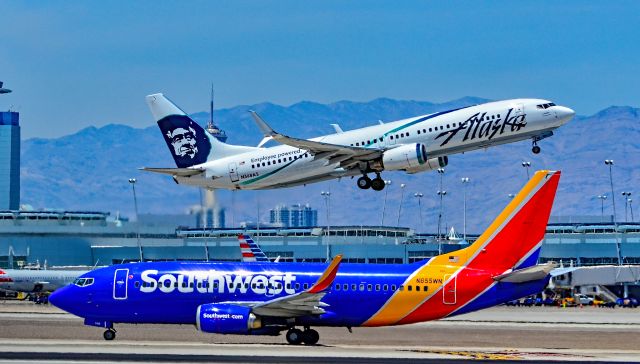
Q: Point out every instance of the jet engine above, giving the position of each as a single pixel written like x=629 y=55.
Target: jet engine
x=226 y=319
x=411 y=158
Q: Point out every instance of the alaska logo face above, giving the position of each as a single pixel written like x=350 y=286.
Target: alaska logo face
x=479 y=126
x=187 y=141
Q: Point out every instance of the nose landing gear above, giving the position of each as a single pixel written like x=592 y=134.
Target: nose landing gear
x=109 y=334
x=535 y=149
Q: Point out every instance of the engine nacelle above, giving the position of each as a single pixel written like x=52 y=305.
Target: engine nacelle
x=404 y=157
x=430 y=165
x=411 y=158
x=226 y=319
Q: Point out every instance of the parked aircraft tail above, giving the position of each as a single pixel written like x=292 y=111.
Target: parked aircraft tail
x=251 y=252
x=189 y=143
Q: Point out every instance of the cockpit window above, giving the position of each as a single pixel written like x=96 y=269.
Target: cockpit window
x=83 y=282
x=545 y=106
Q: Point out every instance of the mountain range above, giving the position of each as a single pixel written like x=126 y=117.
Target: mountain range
x=90 y=169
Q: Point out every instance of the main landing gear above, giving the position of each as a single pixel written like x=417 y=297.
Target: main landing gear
x=110 y=334
x=297 y=336
x=377 y=184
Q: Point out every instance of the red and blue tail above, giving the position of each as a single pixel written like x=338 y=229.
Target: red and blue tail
x=475 y=277
x=251 y=252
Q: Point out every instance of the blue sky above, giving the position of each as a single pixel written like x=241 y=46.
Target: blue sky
x=73 y=64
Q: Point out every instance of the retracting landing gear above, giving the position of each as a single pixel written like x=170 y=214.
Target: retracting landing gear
x=535 y=149
x=364 y=182
x=297 y=336
x=377 y=184
x=109 y=334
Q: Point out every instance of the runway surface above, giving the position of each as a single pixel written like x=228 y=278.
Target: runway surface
x=34 y=333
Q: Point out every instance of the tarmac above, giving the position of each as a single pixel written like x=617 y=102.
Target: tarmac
x=35 y=333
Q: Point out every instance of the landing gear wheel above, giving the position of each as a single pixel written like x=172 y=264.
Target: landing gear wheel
x=295 y=336
x=535 y=149
x=311 y=337
x=109 y=334
x=377 y=184
x=364 y=182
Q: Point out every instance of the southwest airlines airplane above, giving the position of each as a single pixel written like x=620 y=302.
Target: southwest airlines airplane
x=268 y=298
x=412 y=145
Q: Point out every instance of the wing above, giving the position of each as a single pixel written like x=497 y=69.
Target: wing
x=346 y=155
x=303 y=303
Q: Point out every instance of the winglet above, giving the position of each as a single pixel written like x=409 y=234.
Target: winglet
x=265 y=129
x=328 y=276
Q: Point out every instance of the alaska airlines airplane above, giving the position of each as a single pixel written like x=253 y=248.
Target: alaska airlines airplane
x=413 y=145
x=268 y=298
x=32 y=281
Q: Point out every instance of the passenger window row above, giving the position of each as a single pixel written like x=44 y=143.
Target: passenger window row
x=378 y=287
x=279 y=161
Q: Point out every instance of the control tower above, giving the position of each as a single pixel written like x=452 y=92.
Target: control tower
x=9 y=158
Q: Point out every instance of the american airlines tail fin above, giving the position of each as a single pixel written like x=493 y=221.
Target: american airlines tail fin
x=513 y=240
x=188 y=142
x=251 y=252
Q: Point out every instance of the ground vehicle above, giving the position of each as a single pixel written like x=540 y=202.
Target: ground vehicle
x=582 y=299
x=629 y=302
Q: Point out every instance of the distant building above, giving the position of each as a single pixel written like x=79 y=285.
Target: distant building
x=9 y=160
x=293 y=216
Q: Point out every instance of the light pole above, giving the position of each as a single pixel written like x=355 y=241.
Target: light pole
x=441 y=193
x=527 y=165
x=327 y=195
x=133 y=181
x=609 y=162
x=631 y=208
x=419 y=196
x=402 y=186
x=384 y=205
x=465 y=182
x=602 y=198
x=627 y=197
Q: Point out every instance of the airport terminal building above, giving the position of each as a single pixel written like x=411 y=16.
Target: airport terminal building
x=68 y=238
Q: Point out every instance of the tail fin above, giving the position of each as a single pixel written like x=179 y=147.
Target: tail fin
x=514 y=238
x=188 y=142
x=251 y=252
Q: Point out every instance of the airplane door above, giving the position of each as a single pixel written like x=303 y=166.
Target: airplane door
x=120 y=279
x=233 y=172
x=390 y=139
x=449 y=290
x=518 y=109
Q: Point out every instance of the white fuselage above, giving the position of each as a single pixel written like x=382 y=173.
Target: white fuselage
x=442 y=134
x=25 y=280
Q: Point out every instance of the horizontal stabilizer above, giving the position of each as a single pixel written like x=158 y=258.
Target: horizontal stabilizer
x=532 y=273
x=179 y=172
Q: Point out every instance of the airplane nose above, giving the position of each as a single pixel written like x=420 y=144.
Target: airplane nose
x=564 y=113
x=61 y=298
